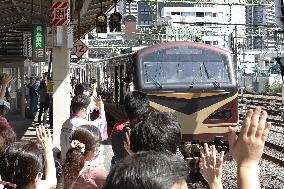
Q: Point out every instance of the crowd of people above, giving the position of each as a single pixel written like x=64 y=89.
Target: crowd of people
x=146 y=150
x=39 y=100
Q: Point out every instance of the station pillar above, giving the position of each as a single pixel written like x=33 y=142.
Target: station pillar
x=61 y=87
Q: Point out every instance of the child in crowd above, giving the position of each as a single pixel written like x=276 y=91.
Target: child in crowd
x=22 y=164
x=83 y=166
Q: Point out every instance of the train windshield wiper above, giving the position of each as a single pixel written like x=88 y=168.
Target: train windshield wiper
x=214 y=82
x=157 y=83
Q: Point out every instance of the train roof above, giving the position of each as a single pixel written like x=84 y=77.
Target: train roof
x=154 y=48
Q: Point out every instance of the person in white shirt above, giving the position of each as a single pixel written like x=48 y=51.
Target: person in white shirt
x=4 y=94
x=5 y=82
x=80 y=106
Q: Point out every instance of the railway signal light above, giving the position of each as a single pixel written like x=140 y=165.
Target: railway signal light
x=101 y=23
x=115 y=22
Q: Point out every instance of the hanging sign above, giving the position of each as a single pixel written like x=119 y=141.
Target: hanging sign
x=38 y=44
x=70 y=39
x=79 y=48
x=49 y=85
x=49 y=38
x=60 y=15
x=27 y=46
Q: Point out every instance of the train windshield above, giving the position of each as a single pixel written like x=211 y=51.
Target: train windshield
x=197 y=67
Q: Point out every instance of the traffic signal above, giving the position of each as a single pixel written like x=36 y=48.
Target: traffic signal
x=115 y=22
x=279 y=13
x=101 y=23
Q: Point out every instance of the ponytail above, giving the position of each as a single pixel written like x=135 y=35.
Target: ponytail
x=74 y=162
x=84 y=139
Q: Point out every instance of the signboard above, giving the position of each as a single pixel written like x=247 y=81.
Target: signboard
x=38 y=44
x=49 y=37
x=27 y=45
x=60 y=15
x=79 y=48
x=49 y=86
x=70 y=40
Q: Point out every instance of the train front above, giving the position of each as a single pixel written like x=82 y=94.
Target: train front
x=193 y=80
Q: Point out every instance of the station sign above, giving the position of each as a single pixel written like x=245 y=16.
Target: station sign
x=38 y=43
x=49 y=37
x=27 y=45
x=79 y=48
x=60 y=15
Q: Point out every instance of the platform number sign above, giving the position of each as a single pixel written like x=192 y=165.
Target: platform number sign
x=79 y=48
x=38 y=41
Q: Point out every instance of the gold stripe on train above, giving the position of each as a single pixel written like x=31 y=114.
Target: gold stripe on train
x=197 y=118
x=187 y=95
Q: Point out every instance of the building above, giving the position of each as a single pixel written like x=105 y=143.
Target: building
x=257 y=17
x=212 y=24
x=123 y=6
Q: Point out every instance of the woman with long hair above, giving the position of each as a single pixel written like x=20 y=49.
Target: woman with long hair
x=83 y=165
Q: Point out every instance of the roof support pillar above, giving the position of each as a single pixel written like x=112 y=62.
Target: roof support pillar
x=61 y=87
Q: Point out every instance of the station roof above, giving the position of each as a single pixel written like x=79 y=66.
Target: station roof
x=20 y=15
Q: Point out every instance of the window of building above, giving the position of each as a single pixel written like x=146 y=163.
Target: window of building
x=208 y=14
x=199 y=14
x=146 y=22
x=215 y=42
x=214 y=14
x=175 y=13
x=188 y=13
x=145 y=12
x=207 y=42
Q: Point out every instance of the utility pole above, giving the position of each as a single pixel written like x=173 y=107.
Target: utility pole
x=235 y=58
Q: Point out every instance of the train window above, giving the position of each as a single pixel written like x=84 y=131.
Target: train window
x=185 y=72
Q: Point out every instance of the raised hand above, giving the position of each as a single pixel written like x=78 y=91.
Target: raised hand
x=211 y=166
x=7 y=79
x=99 y=102
x=44 y=137
x=247 y=148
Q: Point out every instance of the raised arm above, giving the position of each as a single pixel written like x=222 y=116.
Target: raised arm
x=44 y=137
x=100 y=106
x=6 y=80
x=247 y=148
x=211 y=167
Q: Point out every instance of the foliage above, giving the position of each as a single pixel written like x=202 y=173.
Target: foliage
x=273 y=88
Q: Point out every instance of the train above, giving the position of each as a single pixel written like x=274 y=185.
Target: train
x=195 y=81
